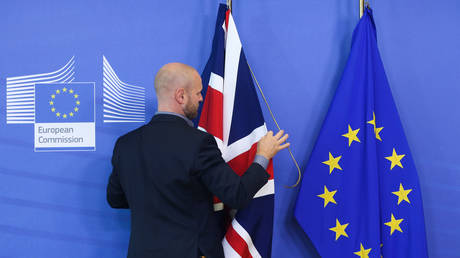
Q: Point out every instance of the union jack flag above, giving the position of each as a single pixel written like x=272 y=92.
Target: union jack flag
x=231 y=112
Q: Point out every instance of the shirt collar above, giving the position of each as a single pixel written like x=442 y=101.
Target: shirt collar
x=189 y=122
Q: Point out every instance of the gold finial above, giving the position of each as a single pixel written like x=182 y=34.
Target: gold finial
x=362 y=6
x=229 y=5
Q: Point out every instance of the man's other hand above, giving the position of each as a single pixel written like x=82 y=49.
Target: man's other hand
x=270 y=144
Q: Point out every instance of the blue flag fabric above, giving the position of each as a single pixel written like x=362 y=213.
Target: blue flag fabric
x=360 y=195
x=64 y=102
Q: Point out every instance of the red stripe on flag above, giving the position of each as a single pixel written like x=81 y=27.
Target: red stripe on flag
x=227 y=15
x=211 y=118
x=242 y=162
x=237 y=243
x=216 y=200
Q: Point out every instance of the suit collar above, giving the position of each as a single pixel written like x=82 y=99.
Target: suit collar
x=170 y=117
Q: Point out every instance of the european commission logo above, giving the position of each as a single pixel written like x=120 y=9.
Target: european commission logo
x=64 y=116
x=63 y=111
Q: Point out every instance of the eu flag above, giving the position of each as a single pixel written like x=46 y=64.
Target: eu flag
x=360 y=195
x=64 y=102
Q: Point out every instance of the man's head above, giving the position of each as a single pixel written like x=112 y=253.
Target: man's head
x=178 y=88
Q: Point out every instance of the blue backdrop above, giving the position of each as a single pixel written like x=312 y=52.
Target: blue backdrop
x=52 y=204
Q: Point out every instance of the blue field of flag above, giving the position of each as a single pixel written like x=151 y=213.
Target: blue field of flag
x=64 y=102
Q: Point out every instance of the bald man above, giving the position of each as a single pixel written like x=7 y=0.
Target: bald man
x=167 y=171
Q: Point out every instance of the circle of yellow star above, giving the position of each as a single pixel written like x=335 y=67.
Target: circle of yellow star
x=395 y=159
x=351 y=135
x=402 y=194
x=328 y=196
x=339 y=229
x=333 y=162
x=377 y=130
x=394 y=224
x=65 y=115
x=363 y=253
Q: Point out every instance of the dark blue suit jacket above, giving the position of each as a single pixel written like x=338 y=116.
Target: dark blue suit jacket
x=166 y=173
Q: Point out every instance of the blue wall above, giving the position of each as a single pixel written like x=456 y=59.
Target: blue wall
x=53 y=204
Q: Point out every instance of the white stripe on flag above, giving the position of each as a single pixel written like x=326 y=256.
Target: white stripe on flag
x=232 y=60
x=240 y=146
x=268 y=188
x=216 y=82
x=247 y=238
x=228 y=250
x=244 y=144
x=218 y=206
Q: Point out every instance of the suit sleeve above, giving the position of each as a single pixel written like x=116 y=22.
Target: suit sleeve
x=115 y=194
x=222 y=181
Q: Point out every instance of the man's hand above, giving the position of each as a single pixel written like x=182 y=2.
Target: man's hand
x=270 y=144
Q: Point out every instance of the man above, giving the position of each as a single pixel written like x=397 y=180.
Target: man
x=167 y=171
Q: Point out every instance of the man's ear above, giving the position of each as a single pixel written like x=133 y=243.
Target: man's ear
x=179 y=95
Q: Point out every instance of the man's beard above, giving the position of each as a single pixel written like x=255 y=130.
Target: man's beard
x=191 y=111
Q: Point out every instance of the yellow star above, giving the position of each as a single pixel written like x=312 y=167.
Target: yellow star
x=58 y=114
x=51 y=103
x=339 y=229
x=64 y=89
x=394 y=224
x=53 y=96
x=76 y=109
x=377 y=130
x=402 y=194
x=58 y=91
x=70 y=91
x=70 y=114
x=64 y=116
x=363 y=253
x=372 y=122
x=76 y=96
x=327 y=196
x=77 y=102
x=351 y=135
x=333 y=162
x=53 y=109
x=395 y=159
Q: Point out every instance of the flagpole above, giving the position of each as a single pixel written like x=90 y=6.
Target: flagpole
x=361 y=8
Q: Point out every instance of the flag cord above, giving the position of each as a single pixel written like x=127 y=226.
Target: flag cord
x=274 y=120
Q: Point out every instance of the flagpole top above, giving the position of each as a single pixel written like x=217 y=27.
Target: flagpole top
x=362 y=6
x=229 y=5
